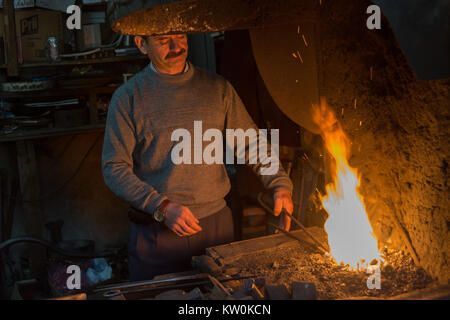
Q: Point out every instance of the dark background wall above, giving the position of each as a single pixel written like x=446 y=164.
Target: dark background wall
x=87 y=207
x=422 y=30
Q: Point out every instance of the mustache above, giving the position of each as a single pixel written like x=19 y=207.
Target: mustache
x=175 y=54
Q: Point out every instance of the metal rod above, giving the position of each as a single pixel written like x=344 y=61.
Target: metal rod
x=293 y=219
x=289 y=234
x=305 y=230
x=162 y=283
x=152 y=282
x=219 y=285
x=117 y=292
x=112 y=292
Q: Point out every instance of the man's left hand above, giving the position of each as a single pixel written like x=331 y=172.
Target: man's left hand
x=283 y=200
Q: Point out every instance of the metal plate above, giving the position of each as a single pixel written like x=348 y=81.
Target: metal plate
x=286 y=60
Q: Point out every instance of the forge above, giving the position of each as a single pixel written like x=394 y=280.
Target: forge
x=363 y=138
x=295 y=52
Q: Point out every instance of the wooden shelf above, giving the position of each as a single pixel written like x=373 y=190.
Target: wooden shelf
x=79 y=61
x=50 y=132
x=59 y=92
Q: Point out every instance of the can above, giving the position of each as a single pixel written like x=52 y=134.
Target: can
x=52 y=49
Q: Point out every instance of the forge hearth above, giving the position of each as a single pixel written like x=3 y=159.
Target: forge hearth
x=282 y=261
x=280 y=267
x=297 y=263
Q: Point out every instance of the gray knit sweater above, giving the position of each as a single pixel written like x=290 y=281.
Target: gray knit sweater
x=142 y=115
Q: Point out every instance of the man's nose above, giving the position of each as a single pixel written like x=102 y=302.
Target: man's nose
x=174 y=45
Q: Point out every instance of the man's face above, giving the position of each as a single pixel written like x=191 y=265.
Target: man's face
x=168 y=53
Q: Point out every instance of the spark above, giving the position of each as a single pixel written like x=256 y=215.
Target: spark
x=355 y=103
x=299 y=56
x=304 y=40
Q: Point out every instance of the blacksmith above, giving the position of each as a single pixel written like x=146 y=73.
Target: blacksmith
x=178 y=210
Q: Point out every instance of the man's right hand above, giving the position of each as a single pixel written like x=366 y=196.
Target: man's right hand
x=181 y=220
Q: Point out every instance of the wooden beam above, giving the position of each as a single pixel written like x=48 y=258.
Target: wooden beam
x=11 y=38
x=29 y=186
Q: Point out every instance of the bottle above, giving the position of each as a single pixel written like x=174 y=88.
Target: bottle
x=52 y=49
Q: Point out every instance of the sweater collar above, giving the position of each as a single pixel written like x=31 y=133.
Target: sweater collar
x=169 y=78
x=152 y=66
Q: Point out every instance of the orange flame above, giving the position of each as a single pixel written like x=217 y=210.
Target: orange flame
x=349 y=231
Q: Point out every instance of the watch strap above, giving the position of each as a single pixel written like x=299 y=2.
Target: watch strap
x=163 y=206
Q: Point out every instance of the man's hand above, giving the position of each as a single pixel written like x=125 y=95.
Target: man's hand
x=181 y=220
x=283 y=200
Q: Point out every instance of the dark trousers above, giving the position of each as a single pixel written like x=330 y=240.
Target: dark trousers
x=155 y=249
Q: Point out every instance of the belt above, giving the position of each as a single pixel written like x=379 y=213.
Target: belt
x=140 y=217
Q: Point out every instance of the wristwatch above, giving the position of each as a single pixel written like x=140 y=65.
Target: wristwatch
x=160 y=213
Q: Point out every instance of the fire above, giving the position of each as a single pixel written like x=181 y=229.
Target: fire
x=349 y=231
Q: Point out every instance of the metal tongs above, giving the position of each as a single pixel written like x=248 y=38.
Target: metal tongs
x=319 y=245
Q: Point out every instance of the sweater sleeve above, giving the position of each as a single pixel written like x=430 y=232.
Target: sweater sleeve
x=117 y=158
x=266 y=165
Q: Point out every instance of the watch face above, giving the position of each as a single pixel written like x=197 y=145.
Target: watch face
x=159 y=216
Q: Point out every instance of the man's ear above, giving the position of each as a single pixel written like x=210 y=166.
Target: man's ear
x=141 y=44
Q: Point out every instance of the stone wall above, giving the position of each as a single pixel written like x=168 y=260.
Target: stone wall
x=399 y=129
